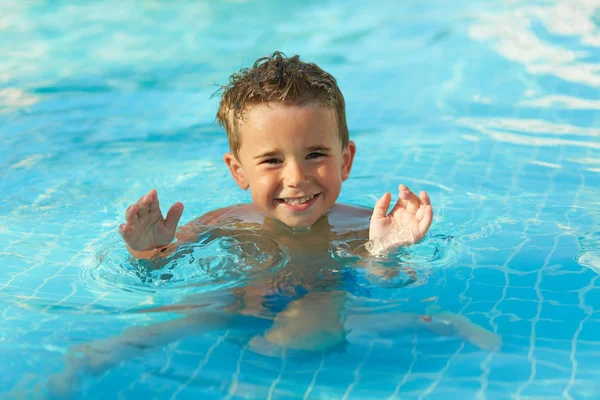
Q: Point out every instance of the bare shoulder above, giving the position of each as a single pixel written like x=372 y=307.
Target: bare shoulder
x=237 y=215
x=345 y=218
x=351 y=211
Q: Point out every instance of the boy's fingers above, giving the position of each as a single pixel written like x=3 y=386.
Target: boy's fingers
x=153 y=201
x=123 y=229
x=425 y=198
x=382 y=205
x=409 y=199
x=420 y=213
x=142 y=199
x=131 y=214
x=400 y=203
x=145 y=202
x=145 y=205
x=423 y=206
x=425 y=223
x=173 y=216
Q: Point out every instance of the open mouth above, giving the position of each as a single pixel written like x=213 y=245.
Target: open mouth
x=298 y=200
x=298 y=203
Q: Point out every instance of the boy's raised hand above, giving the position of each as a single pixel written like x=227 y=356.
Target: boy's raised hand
x=145 y=228
x=407 y=223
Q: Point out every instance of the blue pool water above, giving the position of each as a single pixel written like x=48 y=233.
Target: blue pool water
x=492 y=107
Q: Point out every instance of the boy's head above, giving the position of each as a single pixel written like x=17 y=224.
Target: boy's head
x=281 y=80
x=288 y=136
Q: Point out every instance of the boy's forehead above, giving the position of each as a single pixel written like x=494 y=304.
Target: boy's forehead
x=269 y=116
x=269 y=127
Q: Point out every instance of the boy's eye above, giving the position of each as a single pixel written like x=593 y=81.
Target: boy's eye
x=271 y=161
x=315 y=154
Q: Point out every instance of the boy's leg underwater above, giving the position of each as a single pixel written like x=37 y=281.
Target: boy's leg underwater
x=311 y=323
x=368 y=327
x=99 y=356
x=465 y=328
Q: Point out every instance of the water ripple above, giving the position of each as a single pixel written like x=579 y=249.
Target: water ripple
x=208 y=265
x=406 y=266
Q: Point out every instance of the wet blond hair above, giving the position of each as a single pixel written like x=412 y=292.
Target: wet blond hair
x=283 y=80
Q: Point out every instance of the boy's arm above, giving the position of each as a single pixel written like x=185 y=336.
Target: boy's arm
x=359 y=247
x=188 y=233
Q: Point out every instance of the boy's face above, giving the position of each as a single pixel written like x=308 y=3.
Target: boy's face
x=292 y=160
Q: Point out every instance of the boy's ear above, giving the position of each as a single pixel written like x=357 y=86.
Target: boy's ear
x=237 y=171
x=347 y=159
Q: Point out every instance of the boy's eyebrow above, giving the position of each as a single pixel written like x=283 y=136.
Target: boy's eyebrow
x=268 y=153
x=324 y=149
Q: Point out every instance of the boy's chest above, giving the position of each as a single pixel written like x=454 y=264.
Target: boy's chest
x=340 y=220
x=340 y=226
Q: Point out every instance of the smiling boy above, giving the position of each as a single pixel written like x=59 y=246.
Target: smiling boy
x=293 y=161
x=289 y=145
x=286 y=124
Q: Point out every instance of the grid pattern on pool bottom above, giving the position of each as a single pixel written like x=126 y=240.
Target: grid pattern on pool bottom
x=523 y=270
x=502 y=134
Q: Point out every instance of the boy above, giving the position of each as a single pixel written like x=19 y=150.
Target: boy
x=286 y=124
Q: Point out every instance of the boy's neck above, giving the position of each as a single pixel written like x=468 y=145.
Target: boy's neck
x=276 y=226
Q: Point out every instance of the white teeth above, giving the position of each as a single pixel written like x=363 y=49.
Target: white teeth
x=295 y=202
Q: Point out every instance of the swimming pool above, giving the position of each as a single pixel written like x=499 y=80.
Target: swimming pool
x=493 y=109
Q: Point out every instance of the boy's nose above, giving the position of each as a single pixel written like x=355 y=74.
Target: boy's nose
x=295 y=175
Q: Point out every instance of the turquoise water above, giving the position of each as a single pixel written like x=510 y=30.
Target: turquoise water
x=492 y=107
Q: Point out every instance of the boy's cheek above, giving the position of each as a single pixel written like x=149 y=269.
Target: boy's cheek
x=264 y=180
